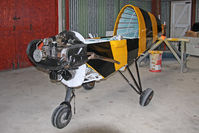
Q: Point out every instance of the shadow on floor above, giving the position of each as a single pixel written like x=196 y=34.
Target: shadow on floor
x=96 y=129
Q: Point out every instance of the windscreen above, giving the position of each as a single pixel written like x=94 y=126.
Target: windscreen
x=128 y=24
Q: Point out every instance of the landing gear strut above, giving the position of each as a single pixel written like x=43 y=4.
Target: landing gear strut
x=146 y=95
x=62 y=115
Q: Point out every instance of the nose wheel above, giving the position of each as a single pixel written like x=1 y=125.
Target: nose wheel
x=61 y=116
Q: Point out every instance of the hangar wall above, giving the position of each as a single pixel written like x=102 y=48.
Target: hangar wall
x=98 y=16
x=20 y=22
x=197 y=11
x=92 y=16
x=165 y=14
x=144 y=4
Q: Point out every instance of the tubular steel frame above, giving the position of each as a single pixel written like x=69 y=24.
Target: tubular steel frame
x=138 y=86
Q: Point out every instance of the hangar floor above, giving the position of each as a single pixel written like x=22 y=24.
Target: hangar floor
x=27 y=99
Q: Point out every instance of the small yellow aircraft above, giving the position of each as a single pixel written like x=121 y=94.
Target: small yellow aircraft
x=75 y=61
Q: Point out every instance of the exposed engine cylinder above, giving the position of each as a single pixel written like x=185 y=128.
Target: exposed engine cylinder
x=63 y=51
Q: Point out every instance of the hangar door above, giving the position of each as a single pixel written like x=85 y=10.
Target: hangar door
x=180 y=18
x=20 y=22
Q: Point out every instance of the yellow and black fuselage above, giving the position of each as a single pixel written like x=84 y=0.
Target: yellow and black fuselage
x=135 y=25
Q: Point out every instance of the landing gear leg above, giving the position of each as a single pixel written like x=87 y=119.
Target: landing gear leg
x=62 y=115
x=146 y=95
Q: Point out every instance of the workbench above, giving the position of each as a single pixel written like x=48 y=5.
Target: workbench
x=180 y=56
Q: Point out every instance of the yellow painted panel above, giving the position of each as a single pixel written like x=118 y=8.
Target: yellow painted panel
x=154 y=27
x=119 y=51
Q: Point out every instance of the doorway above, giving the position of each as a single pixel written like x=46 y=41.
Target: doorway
x=180 y=18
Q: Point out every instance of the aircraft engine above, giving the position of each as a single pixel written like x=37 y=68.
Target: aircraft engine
x=60 y=54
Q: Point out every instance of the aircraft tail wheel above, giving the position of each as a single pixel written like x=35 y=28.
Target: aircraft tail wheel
x=146 y=97
x=61 y=116
x=89 y=85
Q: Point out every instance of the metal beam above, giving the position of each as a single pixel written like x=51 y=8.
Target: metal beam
x=156 y=7
x=193 y=12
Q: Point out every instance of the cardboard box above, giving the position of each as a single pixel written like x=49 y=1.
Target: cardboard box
x=192 y=34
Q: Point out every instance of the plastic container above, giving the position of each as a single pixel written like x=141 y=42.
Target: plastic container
x=155 y=61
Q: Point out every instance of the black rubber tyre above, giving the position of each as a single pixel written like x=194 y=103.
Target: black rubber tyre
x=61 y=116
x=89 y=85
x=146 y=97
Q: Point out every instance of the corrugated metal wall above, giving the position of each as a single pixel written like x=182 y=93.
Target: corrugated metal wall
x=98 y=16
x=144 y=4
x=165 y=14
x=73 y=13
x=93 y=16
x=197 y=11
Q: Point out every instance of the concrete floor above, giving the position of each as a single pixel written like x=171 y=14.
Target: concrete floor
x=27 y=99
